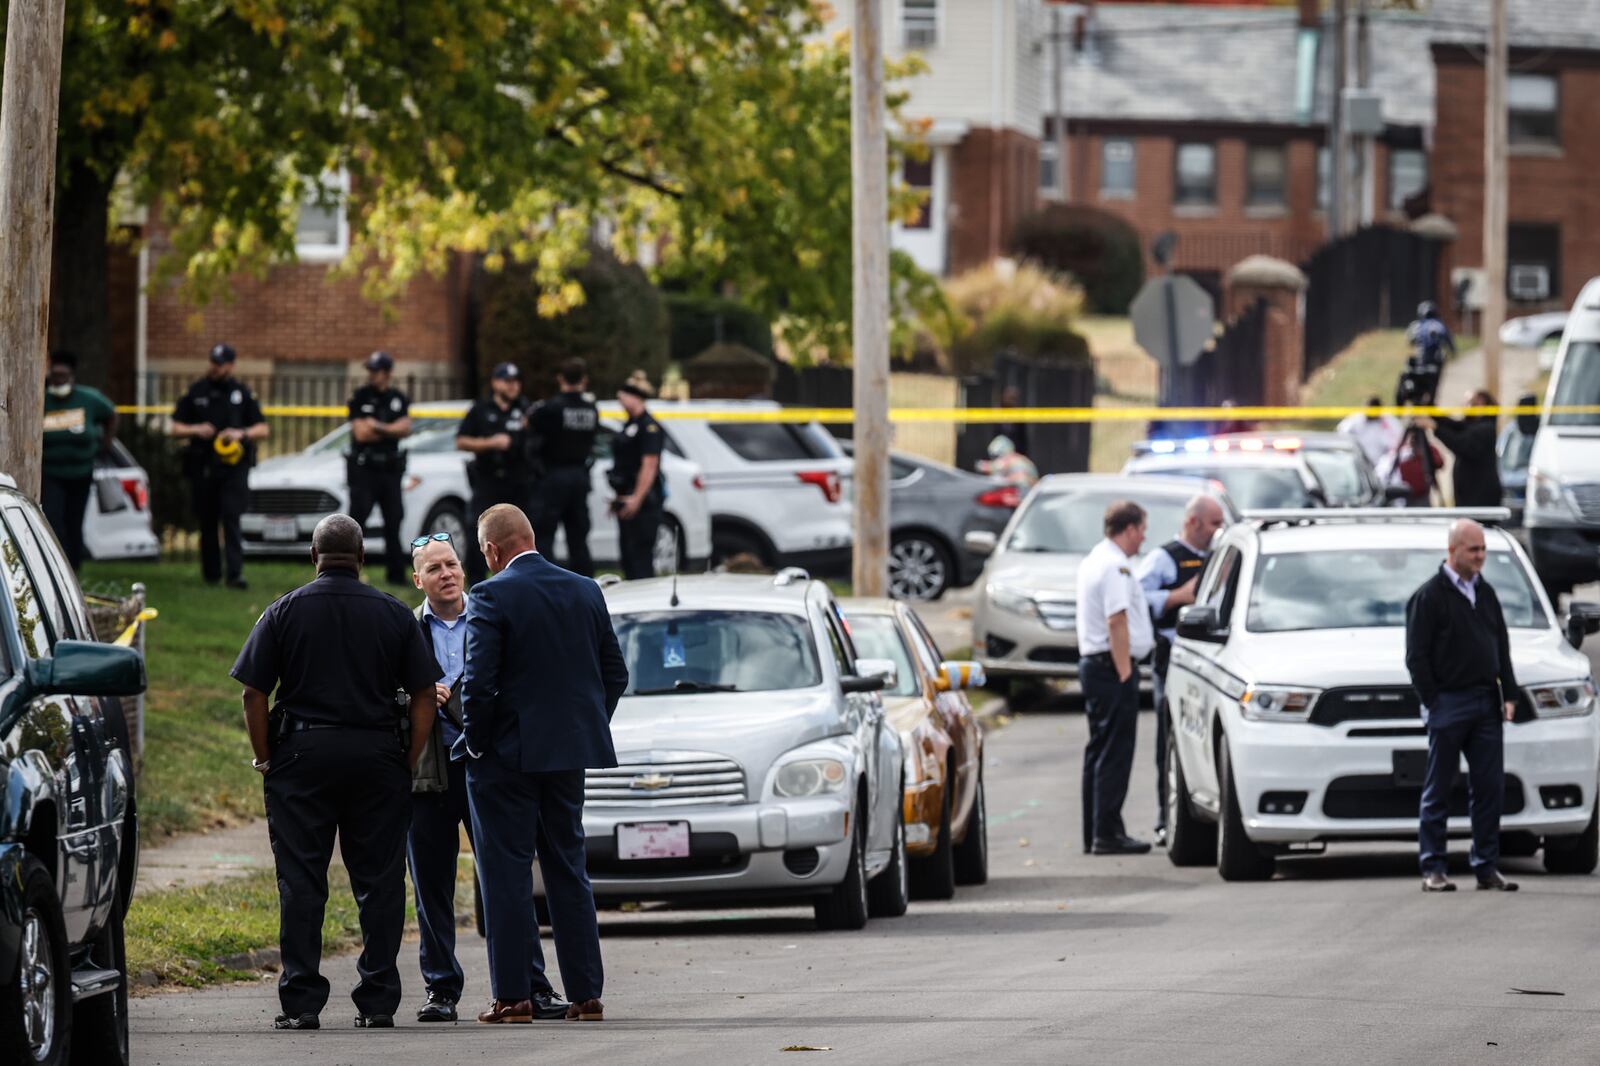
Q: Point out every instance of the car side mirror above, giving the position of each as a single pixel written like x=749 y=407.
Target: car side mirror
x=850 y=684
x=1200 y=622
x=1582 y=619
x=1528 y=424
x=959 y=675
x=980 y=541
x=884 y=670
x=87 y=668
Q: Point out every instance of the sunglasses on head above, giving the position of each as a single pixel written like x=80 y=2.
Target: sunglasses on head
x=426 y=537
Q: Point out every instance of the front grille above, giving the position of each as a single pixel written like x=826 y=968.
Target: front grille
x=1587 y=499
x=1053 y=655
x=1057 y=614
x=665 y=779
x=1377 y=796
x=292 y=501
x=1366 y=705
x=709 y=853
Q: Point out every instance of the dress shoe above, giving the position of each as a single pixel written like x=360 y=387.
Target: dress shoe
x=590 y=1010
x=1161 y=836
x=439 y=1008
x=507 y=1012
x=549 y=1005
x=374 y=1021
x=296 y=1021
x=1437 y=882
x=1495 y=881
x=1123 y=845
x=238 y=583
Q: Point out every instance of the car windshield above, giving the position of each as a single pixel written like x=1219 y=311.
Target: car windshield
x=1339 y=471
x=428 y=434
x=877 y=636
x=717 y=651
x=1578 y=385
x=1364 y=588
x=1075 y=521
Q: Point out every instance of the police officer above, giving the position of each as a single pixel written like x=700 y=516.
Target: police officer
x=380 y=418
x=566 y=425
x=336 y=753
x=636 y=479
x=1169 y=576
x=505 y=454
x=222 y=422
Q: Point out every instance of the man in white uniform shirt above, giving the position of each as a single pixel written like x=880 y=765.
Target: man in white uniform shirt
x=1114 y=635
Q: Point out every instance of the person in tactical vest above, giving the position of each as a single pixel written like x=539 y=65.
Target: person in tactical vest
x=505 y=448
x=566 y=425
x=380 y=418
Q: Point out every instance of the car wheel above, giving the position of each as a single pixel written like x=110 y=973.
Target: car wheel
x=919 y=568
x=890 y=891
x=668 y=554
x=1238 y=858
x=100 y=1024
x=448 y=517
x=727 y=543
x=846 y=906
x=36 y=1006
x=934 y=876
x=1575 y=854
x=972 y=854
x=1190 y=842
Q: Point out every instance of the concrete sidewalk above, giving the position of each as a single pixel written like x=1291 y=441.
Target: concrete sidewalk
x=205 y=858
x=1519 y=368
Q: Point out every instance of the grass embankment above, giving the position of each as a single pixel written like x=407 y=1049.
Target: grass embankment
x=1370 y=366
x=1124 y=377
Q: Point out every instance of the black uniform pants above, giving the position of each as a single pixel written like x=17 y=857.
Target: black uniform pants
x=636 y=541
x=563 y=500
x=486 y=492
x=369 y=486
x=64 y=500
x=1112 y=709
x=353 y=783
x=220 y=495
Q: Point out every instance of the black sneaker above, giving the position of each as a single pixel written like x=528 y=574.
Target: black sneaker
x=374 y=1021
x=238 y=583
x=1123 y=845
x=548 y=1005
x=296 y=1021
x=439 y=1008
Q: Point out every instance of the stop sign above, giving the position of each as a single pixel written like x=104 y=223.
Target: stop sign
x=1173 y=318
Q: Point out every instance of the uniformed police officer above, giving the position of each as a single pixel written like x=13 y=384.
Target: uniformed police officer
x=636 y=479
x=380 y=418
x=1169 y=576
x=505 y=454
x=221 y=420
x=336 y=753
x=566 y=425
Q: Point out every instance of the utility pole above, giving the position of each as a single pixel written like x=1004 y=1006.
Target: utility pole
x=28 y=102
x=1058 y=51
x=1494 y=197
x=1363 y=187
x=869 y=217
x=1338 y=168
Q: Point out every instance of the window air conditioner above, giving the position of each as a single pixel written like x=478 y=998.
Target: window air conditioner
x=1529 y=281
x=921 y=36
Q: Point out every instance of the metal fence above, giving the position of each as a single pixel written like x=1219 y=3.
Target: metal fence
x=1233 y=370
x=1372 y=279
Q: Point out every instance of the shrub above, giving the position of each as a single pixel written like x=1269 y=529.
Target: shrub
x=1020 y=309
x=695 y=325
x=1098 y=249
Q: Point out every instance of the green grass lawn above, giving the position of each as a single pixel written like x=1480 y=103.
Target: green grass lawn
x=1370 y=365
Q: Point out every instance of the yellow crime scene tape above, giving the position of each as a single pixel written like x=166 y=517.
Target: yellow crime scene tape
x=125 y=638
x=976 y=415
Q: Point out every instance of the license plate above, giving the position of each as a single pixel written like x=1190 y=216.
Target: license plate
x=1410 y=768
x=653 y=840
x=280 y=528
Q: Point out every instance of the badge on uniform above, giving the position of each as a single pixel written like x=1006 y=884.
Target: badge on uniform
x=632 y=430
x=1123 y=570
x=236 y=398
x=394 y=404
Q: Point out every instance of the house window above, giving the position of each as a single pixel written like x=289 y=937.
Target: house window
x=322 y=232
x=1265 y=176
x=1533 y=261
x=919 y=23
x=1049 y=169
x=1116 y=168
x=1532 y=114
x=1196 y=184
x=919 y=175
x=1324 y=177
x=1408 y=175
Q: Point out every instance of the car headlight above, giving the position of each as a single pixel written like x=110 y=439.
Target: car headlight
x=1562 y=699
x=1278 y=703
x=1005 y=598
x=1546 y=498
x=809 y=777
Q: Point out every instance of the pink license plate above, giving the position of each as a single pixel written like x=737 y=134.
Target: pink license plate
x=653 y=840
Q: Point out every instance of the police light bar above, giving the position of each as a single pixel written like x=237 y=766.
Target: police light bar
x=1487 y=515
x=1198 y=445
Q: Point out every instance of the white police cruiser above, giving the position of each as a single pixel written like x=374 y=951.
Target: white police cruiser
x=1294 y=722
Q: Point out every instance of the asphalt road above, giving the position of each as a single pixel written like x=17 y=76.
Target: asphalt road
x=1060 y=958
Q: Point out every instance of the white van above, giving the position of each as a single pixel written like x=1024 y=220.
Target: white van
x=1563 y=503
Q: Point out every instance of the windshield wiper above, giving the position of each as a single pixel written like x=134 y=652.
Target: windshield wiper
x=684 y=685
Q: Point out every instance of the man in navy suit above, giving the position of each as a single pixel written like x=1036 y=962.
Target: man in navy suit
x=543 y=677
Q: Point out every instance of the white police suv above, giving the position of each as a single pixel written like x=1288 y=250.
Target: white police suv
x=1294 y=722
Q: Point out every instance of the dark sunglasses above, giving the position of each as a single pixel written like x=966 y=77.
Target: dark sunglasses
x=418 y=542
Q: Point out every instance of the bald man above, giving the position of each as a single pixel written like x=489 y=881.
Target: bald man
x=1459 y=656
x=543 y=677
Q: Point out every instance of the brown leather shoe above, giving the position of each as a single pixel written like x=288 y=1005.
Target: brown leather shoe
x=590 y=1010
x=505 y=1011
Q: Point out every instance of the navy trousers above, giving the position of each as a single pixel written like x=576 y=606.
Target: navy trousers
x=516 y=815
x=1471 y=724
x=1158 y=682
x=1112 y=709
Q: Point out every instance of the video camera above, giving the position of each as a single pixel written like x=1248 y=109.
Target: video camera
x=1419 y=382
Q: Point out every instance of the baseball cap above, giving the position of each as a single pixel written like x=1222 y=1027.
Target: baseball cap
x=380 y=361
x=223 y=353
x=507 y=372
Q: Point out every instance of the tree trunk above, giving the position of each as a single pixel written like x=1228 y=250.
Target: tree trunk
x=80 y=318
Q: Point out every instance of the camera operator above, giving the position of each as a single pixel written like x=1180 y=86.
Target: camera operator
x=1471 y=440
x=1431 y=344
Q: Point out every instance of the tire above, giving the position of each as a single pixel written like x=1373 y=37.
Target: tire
x=669 y=552
x=920 y=568
x=1238 y=859
x=934 y=876
x=42 y=1037
x=890 y=892
x=449 y=517
x=972 y=854
x=726 y=543
x=1575 y=854
x=100 y=1025
x=846 y=906
x=1190 y=841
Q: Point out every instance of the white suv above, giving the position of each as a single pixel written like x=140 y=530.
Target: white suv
x=1294 y=722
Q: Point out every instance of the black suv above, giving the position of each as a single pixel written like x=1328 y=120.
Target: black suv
x=69 y=839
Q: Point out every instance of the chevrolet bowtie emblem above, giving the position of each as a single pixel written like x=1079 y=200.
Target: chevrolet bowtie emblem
x=651 y=782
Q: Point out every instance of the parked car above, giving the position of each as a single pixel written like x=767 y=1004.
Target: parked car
x=1342 y=469
x=1534 y=331
x=1025 y=615
x=1294 y=721
x=946 y=819
x=116 y=524
x=755 y=758
x=69 y=837
x=932 y=507
x=1512 y=449
x=290 y=494
x=1257 y=471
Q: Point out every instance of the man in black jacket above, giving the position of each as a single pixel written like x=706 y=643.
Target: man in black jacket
x=1471 y=440
x=1459 y=656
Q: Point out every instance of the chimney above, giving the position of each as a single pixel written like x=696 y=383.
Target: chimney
x=1310 y=14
